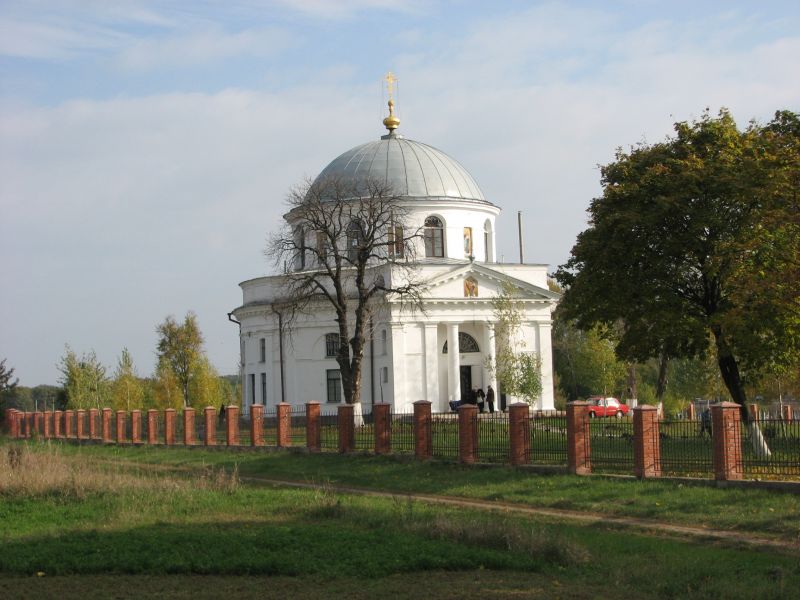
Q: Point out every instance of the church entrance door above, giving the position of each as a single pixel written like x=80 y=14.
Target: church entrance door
x=466 y=382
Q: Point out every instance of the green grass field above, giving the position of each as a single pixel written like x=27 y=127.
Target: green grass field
x=107 y=521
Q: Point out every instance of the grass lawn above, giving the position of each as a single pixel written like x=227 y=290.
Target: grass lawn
x=78 y=526
x=766 y=512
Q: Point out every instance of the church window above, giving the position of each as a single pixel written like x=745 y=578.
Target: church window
x=262 y=344
x=487 y=241
x=333 y=378
x=332 y=343
x=264 y=389
x=252 y=388
x=434 y=237
x=383 y=342
x=385 y=375
x=466 y=343
x=355 y=241
x=396 y=241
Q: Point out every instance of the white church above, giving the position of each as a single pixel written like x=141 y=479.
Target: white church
x=409 y=355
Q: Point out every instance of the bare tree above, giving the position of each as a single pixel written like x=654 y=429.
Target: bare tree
x=350 y=247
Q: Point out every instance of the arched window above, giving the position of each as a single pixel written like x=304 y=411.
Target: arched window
x=434 y=237
x=466 y=343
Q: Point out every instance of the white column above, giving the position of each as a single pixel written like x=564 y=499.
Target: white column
x=431 y=363
x=453 y=363
x=490 y=353
x=398 y=390
x=545 y=349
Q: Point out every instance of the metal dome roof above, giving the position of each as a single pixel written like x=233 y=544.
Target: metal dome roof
x=412 y=169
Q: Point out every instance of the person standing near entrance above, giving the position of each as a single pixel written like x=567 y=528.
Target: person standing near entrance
x=481 y=397
x=490 y=398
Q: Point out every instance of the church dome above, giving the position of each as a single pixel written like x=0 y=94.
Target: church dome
x=412 y=169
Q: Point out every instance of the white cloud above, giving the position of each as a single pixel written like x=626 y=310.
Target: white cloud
x=204 y=48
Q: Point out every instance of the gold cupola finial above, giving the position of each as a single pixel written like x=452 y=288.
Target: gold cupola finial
x=391 y=122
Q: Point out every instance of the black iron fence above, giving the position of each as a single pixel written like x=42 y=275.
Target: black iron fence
x=548 y=445
x=771 y=447
x=686 y=447
x=611 y=442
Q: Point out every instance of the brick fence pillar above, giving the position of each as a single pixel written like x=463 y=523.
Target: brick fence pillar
x=28 y=424
x=579 y=451
x=37 y=422
x=19 y=427
x=382 y=418
x=232 y=421
x=726 y=428
x=169 y=426
x=646 y=442
x=136 y=427
x=519 y=431
x=47 y=424
x=106 y=425
x=468 y=433
x=188 y=427
x=283 y=422
x=754 y=411
x=423 y=436
x=347 y=435
x=786 y=412
x=80 y=424
x=152 y=426
x=313 y=431
x=12 y=423
x=690 y=412
x=69 y=416
x=58 y=423
x=93 y=432
x=257 y=424
x=121 y=426
x=210 y=418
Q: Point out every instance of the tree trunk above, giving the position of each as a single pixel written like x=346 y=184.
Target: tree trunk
x=729 y=369
x=632 y=391
x=661 y=385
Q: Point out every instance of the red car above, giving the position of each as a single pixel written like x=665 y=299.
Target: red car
x=607 y=407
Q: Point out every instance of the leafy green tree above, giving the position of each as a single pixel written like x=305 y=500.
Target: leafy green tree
x=693 y=237
x=518 y=371
x=597 y=366
x=180 y=350
x=6 y=374
x=84 y=380
x=127 y=390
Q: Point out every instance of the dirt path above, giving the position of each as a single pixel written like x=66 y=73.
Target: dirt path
x=643 y=525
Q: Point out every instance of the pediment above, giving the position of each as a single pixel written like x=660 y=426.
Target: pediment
x=475 y=281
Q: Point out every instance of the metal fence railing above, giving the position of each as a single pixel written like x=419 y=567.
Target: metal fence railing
x=444 y=436
x=548 y=441
x=611 y=444
x=686 y=447
x=782 y=440
x=329 y=432
x=493 y=440
x=402 y=433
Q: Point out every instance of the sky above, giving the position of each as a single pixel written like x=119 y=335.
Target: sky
x=147 y=148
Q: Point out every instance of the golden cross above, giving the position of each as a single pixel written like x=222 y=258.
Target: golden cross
x=390 y=79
